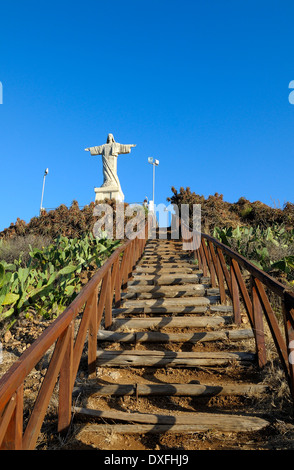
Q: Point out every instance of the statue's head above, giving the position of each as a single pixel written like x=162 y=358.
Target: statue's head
x=110 y=138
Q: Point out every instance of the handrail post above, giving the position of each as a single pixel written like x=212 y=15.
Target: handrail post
x=198 y=256
x=66 y=385
x=218 y=271
x=209 y=263
x=258 y=326
x=12 y=439
x=204 y=259
x=235 y=296
x=221 y=283
x=92 y=305
x=108 y=301
x=124 y=270
x=288 y=314
x=116 y=283
x=242 y=288
x=225 y=270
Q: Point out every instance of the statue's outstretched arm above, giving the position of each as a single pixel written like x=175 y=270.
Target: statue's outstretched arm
x=95 y=150
x=126 y=148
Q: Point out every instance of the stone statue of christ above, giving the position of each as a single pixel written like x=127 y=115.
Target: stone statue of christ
x=110 y=152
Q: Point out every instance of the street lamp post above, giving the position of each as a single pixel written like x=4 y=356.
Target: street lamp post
x=45 y=174
x=155 y=163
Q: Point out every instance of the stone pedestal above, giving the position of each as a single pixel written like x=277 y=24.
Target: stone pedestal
x=109 y=192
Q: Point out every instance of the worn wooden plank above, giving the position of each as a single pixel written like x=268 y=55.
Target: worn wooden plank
x=221 y=308
x=161 y=310
x=235 y=335
x=170 y=255
x=141 y=270
x=169 y=322
x=167 y=291
x=162 y=259
x=173 y=389
x=169 y=303
x=159 y=337
x=240 y=355
x=167 y=279
x=163 y=251
x=194 y=288
x=138 y=274
x=160 y=295
x=169 y=358
x=147 y=281
x=186 y=263
x=186 y=422
x=211 y=291
x=200 y=389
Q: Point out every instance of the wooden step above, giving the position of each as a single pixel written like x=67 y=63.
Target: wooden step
x=120 y=324
x=167 y=291
x=167 y=303
x=181 y=264
x=165 y=254
x=162 y=270
x=180 y=255
x=185 y=422
x=170 y=389
x=163 y=241
x=165 y=259
x=175 y=310
x=136 y=358
x=166 y=249
x=140 y=429
x=221 y=309
x=158 y=337
x=211 y=309
x=183 y=290
x=167 y=279
x=159 y=295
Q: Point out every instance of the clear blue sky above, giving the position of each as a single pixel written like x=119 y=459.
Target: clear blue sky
x=201 y=85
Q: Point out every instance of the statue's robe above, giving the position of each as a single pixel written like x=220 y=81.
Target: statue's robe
x=109 y=154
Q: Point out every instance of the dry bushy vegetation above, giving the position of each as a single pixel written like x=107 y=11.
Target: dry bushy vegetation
x=217 y=212
x=69 y=222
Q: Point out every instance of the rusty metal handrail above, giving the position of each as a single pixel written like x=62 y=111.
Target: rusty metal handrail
x=211 y=255
x=97 y=298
